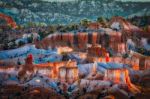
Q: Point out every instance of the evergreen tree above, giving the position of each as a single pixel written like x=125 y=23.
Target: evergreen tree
x=85 y=22
x=30 y=39
x=21 y=43
x=102 y=21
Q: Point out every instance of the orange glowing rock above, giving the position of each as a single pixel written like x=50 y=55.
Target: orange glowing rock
x=68 y=74
x=94 y=68
x=56 y=65
x=120 y=76
x=64 y=49
x=117 y=75
x=96 y=50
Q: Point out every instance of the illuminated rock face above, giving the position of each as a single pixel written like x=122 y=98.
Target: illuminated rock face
x=94 y=68
x=117 y=75
x=94 y=38
x=96 y=50
x=54 y=67
x=65 y=49
x=80 y=40
x=68 y=74
x=135 y=64
x=143 y=62
x=120 y=76
x=116 y=43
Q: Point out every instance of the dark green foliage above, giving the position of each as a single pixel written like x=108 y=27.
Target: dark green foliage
x=143 y=51
x=30 y=39
x=5 y=47
x=141 y=21
x=102 y=21
x=85 y=23
x=41 y=34
x=21 y=43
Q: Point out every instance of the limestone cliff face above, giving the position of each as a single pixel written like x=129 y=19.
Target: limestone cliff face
x=80 y=40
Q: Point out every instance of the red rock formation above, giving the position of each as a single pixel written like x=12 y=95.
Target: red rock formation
x=144 y=61
x=128 y=28
x=115 y=41
x=82 y=40
x=94 y=38
x=68 y=74
x=56 y=65
x=121 y=76
x=96 y=50
x=9 y=20
x=27 y=67
x=29 y=59
x=125 y=25
x=71 y=38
